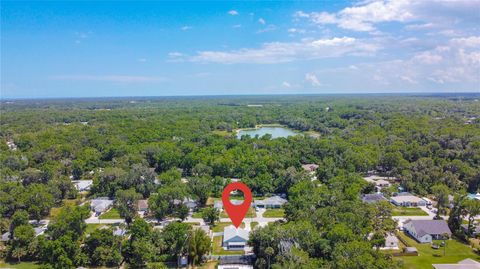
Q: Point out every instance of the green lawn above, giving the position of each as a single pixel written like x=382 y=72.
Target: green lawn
x=253 y=224
x=110 y=214
x=219 y=226
x=22 y=265
x=250 y=214
x=218 y=250
x=408 y=211
x=92 y=227
x=274 y=213
x=455 y=252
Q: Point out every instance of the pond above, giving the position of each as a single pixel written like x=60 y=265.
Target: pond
x=275 y=131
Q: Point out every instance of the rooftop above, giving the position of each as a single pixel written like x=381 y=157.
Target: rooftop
x=230 y=232
x=430 y=227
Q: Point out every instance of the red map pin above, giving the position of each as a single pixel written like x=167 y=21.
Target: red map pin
x=236 y=212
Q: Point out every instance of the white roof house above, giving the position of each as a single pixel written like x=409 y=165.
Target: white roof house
x=464 y=264
x=311 y=167
x=219 y=204
x=379 y=181
x=234 y=238
x=424 y=231
x=101 y=204
x=270 y=202
x=82 y=185
x=407 y=199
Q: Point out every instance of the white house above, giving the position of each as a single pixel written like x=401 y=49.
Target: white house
x=100 y=205
x=380 y=182
x=82 y=185
x=270 y=202
x=219 y=204
x=424 y=231
x=407 y=199
x=234 y=239
x=464 y=264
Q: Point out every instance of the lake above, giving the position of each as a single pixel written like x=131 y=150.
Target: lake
x=275 y=131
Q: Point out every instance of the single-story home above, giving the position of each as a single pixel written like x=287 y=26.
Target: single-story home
x=37 y=230
x=101 y=204
x=407 y=199
x=424 y=231
x=119 y=231
x=270 y=202
x=82 y=185
x=189 y=202
x=219 y=204
x=142 y=205
x=373 y=198
x=311 y=167
x=380 y=182
x=464 y=264
x=234 y=238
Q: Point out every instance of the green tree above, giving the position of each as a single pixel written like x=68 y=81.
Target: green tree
x=210 y=215
x=126 y=203
x=199 y=244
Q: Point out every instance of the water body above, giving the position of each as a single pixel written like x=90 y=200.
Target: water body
x=276 y=132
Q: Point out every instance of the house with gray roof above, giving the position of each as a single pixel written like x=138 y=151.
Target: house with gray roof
x=372 y=198
x=270 y=202
x=464 y=264
x=476 y=229
x=234 y=238
x=219 y=204
x=82 y=185
x=101 y=204
x=424 y=231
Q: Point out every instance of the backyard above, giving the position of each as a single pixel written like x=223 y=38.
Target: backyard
x=274 y=213
x=455 y=252
x=219 y=226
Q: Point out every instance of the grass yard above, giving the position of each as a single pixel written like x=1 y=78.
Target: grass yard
x=54 y=211
x=408 y=211
x=21 y=265
x=110 y=214
x=92 y=227
x=197 y=214
x=253 y=224
x=274 y=213
x=218 y=250
x=455 y=252
x=250 y=214
x=219 y=226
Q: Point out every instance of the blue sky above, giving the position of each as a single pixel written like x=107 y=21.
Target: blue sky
x=92 y=49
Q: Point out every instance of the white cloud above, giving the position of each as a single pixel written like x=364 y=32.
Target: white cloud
x=312 y=79
x=269 y=28
x=278 y=52
x=233 y=12
x=426 y=14
x=296 y=30
x=186 y=27
x=286 y=84
x=262 y=21
x=108 y=78
x=427 y=57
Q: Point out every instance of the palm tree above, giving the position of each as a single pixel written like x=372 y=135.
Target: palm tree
x=269 y=251
x=199 y=244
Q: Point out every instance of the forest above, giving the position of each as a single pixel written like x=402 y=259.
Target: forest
x=141 y=148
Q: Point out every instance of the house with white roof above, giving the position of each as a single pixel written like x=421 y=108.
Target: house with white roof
x=234 y=238
x=82 y=185
x=407 y=199
x=424 y=231
x=464 y=264
x=270 y=202
x=219 y=204
x=380 y=182
x=391 y=241
x=101 y=204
